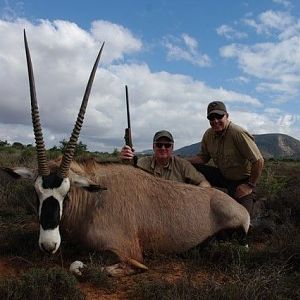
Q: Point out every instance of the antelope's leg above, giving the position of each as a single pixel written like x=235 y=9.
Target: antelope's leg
x=119 y=270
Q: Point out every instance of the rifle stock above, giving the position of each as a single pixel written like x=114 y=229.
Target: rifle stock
x=127 y=137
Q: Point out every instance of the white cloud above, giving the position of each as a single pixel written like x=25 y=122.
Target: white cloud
x=119 y=40
x=63 y=55
x=285 y=3
x=186 y=48
x=230 y=33
x=286 y=123
x=275 y=19
x=272 y=110
x=240 y=79
x=271 y=120
x=278 y=64
x=12 y=9
x=270 y=22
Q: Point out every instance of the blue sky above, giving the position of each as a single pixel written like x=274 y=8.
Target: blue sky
x=175 y=57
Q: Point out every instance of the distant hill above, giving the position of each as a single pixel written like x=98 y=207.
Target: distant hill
x=271 y=145
x=275 y=145
x=190 y=150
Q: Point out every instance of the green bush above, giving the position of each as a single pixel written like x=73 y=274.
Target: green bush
x=271 y=184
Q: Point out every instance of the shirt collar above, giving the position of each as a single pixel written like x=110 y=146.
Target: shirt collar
x=168 y=166
x=223 y=132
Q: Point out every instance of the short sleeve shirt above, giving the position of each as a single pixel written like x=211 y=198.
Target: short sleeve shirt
x=178 y=169
x=233 y=152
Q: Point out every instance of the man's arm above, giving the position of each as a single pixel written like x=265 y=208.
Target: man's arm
x=202 y=157
x=197 y=159
x=192 y=176
x=256 y=170
x=245 y=189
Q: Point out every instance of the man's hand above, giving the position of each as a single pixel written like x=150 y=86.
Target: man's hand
x=127 y=153
x=243 y=190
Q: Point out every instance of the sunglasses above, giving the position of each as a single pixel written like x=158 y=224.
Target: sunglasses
x=215 y=116
x=166 y=145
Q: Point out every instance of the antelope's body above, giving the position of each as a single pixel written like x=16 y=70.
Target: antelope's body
x=139 y=212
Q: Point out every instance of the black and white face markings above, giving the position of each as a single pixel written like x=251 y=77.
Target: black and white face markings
x=51 y=191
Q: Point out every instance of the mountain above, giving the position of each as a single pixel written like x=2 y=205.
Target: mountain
x=188 y=150
x=275 y=145
x=271 y=145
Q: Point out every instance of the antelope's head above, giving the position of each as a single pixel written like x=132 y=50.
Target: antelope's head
x=52 y=186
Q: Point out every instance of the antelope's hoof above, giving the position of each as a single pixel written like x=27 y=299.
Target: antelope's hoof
x=76 y=266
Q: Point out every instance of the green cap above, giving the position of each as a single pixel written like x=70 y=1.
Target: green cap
x=163 y=133
x=216 y=107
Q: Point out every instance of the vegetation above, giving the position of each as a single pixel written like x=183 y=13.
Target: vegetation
x=80 y=148
x=270 y=269
x=41 y=284
x=19 y=154
x=93 y=274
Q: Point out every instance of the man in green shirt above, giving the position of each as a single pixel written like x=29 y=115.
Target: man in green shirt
x=164 y=164
x=237 y=159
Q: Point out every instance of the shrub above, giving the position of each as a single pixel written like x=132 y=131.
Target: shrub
x=41 y=284
x=263 y=282
x=18 y=241
x=271 y=184
x=180 y=290
x=93 y=274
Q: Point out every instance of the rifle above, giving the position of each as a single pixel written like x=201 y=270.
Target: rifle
x=127 y=137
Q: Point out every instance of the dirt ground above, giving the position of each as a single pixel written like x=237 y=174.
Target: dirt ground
x=168 y=268
x=170 y=271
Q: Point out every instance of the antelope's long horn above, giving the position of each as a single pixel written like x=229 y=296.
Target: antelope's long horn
x=37 y=128
x=70 y=149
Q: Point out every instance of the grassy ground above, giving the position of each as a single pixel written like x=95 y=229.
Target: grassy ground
x=270 y=269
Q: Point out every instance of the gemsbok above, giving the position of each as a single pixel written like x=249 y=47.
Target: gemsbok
x=118 y=207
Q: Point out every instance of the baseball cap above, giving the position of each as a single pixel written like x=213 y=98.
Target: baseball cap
x=216 y=107
x=163 y=133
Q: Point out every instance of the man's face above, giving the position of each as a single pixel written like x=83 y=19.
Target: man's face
x=218 y=122
x=163 y=148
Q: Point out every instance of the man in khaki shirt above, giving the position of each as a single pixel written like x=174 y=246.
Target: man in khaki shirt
x=237 y=159
x=164 y=164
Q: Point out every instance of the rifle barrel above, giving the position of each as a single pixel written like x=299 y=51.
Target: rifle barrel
x=127 y=106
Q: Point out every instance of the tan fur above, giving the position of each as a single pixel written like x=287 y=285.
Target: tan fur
x=139 y=212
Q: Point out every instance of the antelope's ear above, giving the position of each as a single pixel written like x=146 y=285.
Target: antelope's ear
x=83 y=182
x=20 y=172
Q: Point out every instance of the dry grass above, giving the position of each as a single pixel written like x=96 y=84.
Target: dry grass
x=41 y=284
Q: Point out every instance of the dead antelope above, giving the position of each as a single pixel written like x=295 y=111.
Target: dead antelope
x=118 y=207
